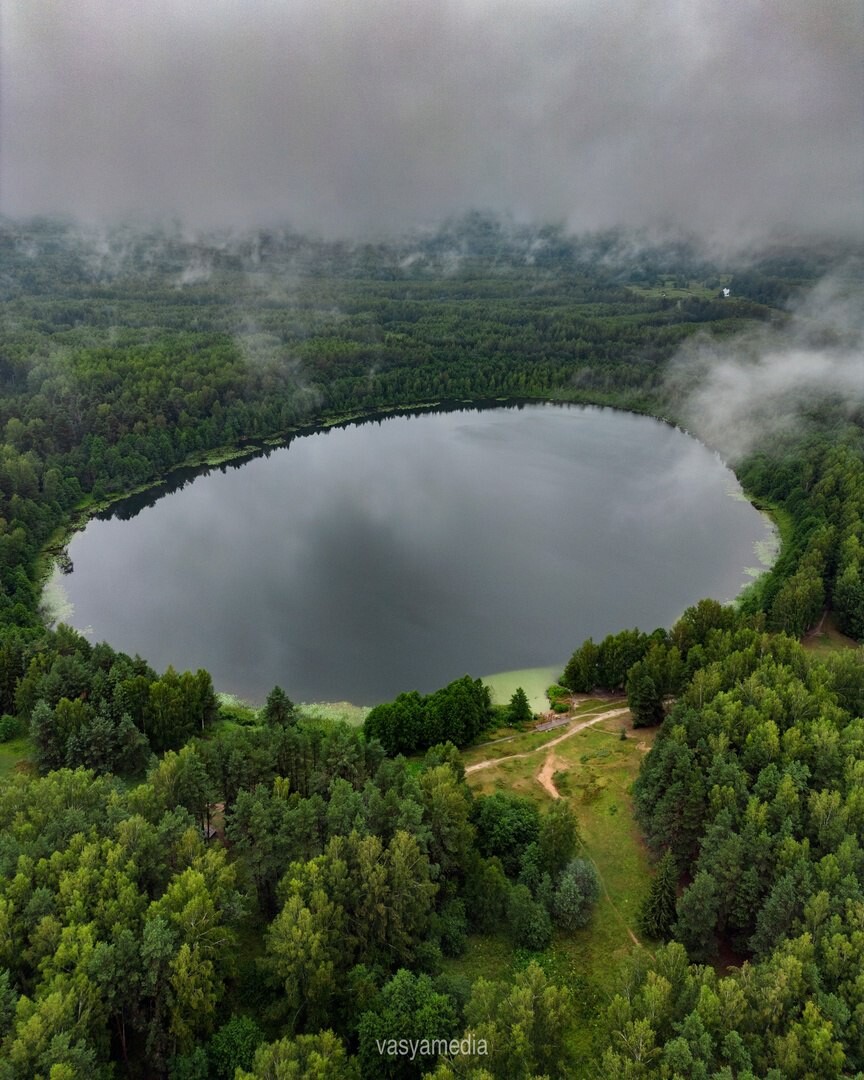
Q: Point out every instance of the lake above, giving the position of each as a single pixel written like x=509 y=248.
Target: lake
x=398 y=554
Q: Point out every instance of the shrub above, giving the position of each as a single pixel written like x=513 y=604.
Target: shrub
x=557 y=693
x=233 y=1047
x=577 y=893
x=9 y=727
x=452 y=925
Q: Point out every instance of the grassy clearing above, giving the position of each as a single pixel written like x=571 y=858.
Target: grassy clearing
x=507 y=741
x=828 y=638
x=490 y=957
x=780 y=516
x=234 y=710
x=235 y=713
x=668 y=288
x=595 y=769
x=601 y=769
x=15 y=756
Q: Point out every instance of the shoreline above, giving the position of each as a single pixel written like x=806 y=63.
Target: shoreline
x=50 y=609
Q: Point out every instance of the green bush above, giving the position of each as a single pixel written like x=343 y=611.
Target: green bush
x=561 y=780
x=9 y=727
x=233 y=1047
x=452 y=926
x=577 y=893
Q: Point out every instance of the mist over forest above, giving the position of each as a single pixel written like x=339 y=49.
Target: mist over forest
x=227 y=227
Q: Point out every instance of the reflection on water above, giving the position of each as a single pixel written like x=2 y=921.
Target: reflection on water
x=401 y=553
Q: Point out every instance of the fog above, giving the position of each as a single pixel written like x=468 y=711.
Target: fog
x=740 y=392
x=735 y=120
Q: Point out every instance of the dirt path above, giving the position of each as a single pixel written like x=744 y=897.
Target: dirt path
x=544 y=776
x=548 y=745
x=545 y=780
x=815 y=631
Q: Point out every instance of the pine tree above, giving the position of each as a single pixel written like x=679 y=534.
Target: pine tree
x=775 y=919
x=580 y=674
x=528 y=921
x=658 y=910
x=279 y=710
x=697 y=917
x=644 y=699
x=46 y=739
x=519 y=712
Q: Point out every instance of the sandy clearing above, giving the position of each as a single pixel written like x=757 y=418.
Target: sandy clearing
x=544 y=776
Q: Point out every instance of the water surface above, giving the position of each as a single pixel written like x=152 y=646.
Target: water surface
x=399 y=554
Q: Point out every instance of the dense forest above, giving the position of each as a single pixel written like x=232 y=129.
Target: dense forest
x=188 y=892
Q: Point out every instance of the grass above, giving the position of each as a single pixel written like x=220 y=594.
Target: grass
x=507 y=744
x=602 y=803
x=780 y=516
x=828 y=638
x=335 y=710
x=673 y=292
x=234 y=711
x=503 y=743
x=487 y=957
x=597 y=768
x=15 y=755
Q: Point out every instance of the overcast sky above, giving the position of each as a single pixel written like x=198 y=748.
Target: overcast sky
x=731 y=118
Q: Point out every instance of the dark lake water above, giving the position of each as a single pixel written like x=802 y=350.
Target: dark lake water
x=399 y=554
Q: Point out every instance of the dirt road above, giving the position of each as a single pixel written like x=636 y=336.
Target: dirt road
x=548 y=745
x=544 y=777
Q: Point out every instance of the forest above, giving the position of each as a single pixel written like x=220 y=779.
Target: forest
x=191 y=891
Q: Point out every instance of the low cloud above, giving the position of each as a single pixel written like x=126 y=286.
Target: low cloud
x=734 y=120
x=740 y=393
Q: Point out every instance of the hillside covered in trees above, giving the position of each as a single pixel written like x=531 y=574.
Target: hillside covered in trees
x=185 y=892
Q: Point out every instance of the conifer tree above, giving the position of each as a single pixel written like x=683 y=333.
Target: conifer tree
x=519 y=711
x=643 y=697
x=697 y=917
x=43 y=732
x=580 y=674
x=658 y=910
x=279 y=709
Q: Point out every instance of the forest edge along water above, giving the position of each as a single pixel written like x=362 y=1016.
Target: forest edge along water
x=379 y=516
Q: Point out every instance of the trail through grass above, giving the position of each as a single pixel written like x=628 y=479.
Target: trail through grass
x=827 y=637
x=593 y=769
